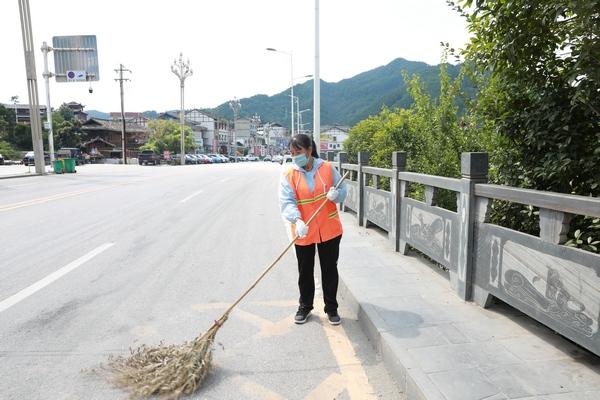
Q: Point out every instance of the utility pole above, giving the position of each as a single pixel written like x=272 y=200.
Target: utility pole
x=182 y=70
x=47 y=75
x=235 y=106
x=120 y=79
x=32 y=89
x=15 y=101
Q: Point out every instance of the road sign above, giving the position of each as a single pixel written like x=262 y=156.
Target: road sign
x=76 y=76
x=78 y=55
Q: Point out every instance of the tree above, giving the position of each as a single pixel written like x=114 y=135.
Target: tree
x=538 y=70
x=8 y=151
x=431 y=131
x=539 y=61
x=7 y=121
x=66 y=128
x=166 y=135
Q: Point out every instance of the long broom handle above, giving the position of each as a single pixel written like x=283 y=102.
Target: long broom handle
x=226 y=313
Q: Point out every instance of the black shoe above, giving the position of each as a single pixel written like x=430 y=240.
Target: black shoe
x=334 y=318
x=301 y=315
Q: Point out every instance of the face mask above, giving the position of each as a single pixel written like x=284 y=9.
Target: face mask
x=300 y=160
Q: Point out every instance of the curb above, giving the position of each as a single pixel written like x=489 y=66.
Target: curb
x=23 y=176
x=410 y=379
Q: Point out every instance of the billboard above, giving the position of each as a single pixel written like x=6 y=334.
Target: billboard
x=75 y=58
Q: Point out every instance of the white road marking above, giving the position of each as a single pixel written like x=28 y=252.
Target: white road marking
x=28 y=291
x=191 y=196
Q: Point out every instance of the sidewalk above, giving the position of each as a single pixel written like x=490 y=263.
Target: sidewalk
x=20 y=171
x=438 y=347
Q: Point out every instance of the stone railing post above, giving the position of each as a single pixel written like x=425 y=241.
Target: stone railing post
x=474 y=169
x=398 y=165
x=363 y=160
x=342 y=159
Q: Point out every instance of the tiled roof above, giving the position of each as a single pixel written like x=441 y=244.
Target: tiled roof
x=96 y=124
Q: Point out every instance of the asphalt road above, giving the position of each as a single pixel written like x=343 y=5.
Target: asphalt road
x=112 y=257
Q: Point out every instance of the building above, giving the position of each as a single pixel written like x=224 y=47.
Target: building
x=211 y=134
x=273 y=138
x=78 y=112
x=246 y=133
x=103 y=138
x=332 y=138
x=22 y=111
x=133 y=117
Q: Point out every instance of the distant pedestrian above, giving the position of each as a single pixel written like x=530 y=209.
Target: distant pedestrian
x=303 y=188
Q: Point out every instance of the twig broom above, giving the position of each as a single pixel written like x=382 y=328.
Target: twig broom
x=173 y=370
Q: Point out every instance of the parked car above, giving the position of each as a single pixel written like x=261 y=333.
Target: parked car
x=277 y=158
x=204 y=159
x=286 y=159
x=1 y=160
x=251 y=157
x=267 y=158
x=224 y=158
x=195 y=158
x=29 y=158
x=191 y=159
x=216 y=159
x=148 y=157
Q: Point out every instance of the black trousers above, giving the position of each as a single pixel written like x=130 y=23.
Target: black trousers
x=329 y=252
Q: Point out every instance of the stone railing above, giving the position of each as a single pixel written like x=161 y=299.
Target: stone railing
x=555 y=284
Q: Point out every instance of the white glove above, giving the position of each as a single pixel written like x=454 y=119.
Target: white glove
x=332 y=194
x=301 y=229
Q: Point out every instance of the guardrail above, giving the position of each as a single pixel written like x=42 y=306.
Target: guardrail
x=555 y=284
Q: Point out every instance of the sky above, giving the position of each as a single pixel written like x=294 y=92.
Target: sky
x=225 y=42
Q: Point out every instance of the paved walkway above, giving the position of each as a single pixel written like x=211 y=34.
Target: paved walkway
x=438 y=347
x=19 y=171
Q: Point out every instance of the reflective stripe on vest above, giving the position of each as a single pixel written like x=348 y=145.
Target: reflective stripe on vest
x=326 y=224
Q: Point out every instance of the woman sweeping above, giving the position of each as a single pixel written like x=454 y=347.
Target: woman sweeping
x=303 y=188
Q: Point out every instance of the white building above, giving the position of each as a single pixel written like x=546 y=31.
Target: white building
x=332 y=137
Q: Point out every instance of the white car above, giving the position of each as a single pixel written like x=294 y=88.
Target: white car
x=251 y=157
x=287 y=159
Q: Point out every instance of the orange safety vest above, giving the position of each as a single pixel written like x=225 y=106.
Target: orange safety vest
x=326 y=224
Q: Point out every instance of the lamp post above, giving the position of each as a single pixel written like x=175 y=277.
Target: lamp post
x=182 y=70
x=292 y=82
x=235 y=107
x=300 y=124
x=317 y=84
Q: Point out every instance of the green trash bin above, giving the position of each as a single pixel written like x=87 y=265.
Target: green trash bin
x=58 y=167
x=69 y=165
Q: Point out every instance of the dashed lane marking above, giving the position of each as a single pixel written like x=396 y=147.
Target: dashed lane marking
x=191 y=196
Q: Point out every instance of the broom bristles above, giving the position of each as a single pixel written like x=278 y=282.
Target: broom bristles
x=167 y=371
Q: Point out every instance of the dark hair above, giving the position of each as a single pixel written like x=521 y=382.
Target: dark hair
x=302 y=141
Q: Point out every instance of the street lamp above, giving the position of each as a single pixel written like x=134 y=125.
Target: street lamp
x=300 y=124
x=235 y=107
x=182 y=70
x=292 y=82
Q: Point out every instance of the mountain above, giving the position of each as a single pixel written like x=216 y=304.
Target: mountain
x=97 y=114
x=348 y=101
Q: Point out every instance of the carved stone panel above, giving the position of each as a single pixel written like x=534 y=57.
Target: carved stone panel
x=351 y=200
x=432 y=230
x=378 y=207
x=557 y=285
